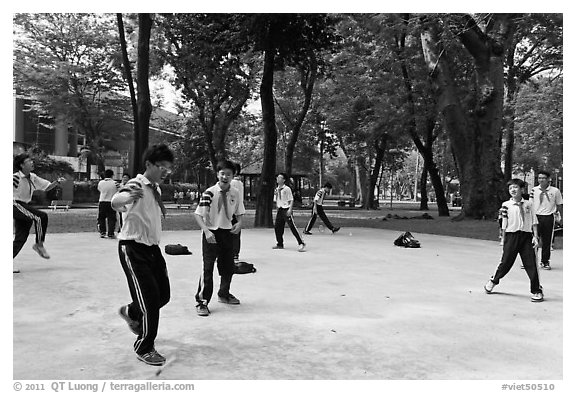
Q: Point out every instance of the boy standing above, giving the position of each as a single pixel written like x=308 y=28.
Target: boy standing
x=140 y=256
x=318 y=210
x=547 y=201
x=24 y=182
x=214 y=216
x=520 y=224
x=106 y=214
x=284 y=201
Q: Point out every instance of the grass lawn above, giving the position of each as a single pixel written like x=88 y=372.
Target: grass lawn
x=84 y=220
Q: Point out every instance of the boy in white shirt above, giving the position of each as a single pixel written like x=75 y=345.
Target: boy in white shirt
x=547 y=202
x=140 y=256
x=520 y=225
x=106 y=215
x=214 y=216
x=284 y=201
x=24 y=182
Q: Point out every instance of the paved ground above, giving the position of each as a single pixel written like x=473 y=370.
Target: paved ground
x=352 y=307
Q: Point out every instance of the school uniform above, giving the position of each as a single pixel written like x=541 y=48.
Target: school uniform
x=283 y=197
x=546 y=204
x=25 y=215
x=216 y=208
x=517 y=221
x=142 y=259
x=319 y=211
x=106 y=215
x=238 y=185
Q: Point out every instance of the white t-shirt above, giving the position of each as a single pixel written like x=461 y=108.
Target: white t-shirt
x=215 y=216
x=283 y=196
x=23 y=187
x=107 y=188
x=142 y=218
x=546 y=201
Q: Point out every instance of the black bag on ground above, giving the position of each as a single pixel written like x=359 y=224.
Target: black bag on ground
x=406 y=240
x=176 y=249
x=244 y=268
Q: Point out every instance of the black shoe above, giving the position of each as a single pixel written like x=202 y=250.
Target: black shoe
x=202 y=310
x=334 y=230
x=307 y=232
x=229 y=299
x=153 y=358
x=135 y=326
x=545 y=265
x=112 y=236
x=277 y=247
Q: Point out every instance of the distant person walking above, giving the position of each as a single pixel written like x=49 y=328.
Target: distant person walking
x=318 y=210
x=284 y=202
x=547 y=202
x=107 y=215
x=520 y=224
x=24 y=182
x=140 y=255
x=239 y=186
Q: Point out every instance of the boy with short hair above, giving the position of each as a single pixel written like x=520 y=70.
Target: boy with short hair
x=284 y=201
x=547 y=202
x=107 y=215
x=24 y=182
x=520 y=224
x=318 y=210
x=214 y=216
x=140 y=255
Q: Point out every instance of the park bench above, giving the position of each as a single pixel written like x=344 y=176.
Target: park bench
x=55 y=204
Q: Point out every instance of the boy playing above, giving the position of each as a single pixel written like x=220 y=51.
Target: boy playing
x=318 y=210
x=24 y=182
x=284 y=200
x=214 y=216
x=520 y=226
x=140 y=256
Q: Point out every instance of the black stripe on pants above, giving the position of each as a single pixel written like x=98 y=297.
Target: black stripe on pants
x=546 y=231
x=281 y=219
x=319 y=212
x=222 y=254
x=145 y=270
x=519 y=243
x=24 y=216
x=106 y=215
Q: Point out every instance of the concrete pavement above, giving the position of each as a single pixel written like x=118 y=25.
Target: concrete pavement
x=353 y=306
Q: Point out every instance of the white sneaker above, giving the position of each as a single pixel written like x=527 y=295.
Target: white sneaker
x=489 y=286
x=301 y=247
x=537 y=297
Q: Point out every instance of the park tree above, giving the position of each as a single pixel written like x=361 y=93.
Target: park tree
x=536 y=49
x=214 y=68
x=539 y=128
x=473 y=115
x=66 y=64
x=140 y=98
x=284 y=39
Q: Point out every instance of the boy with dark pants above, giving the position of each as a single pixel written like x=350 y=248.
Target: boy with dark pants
x=284 y=201
x=107 y=215
x=24 y=182
x=140 y=256
x=214 y=216
x=318 y=210
x=520 y=226
x=547 y=202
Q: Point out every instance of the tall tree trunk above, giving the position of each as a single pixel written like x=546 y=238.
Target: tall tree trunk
x=132 y=166
x=476 y=140
x=143 y=95
x=267 y=184
x=436 y=181
x=424 y=188
x=362 y=182
x=380 y=147
x=308 y=78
